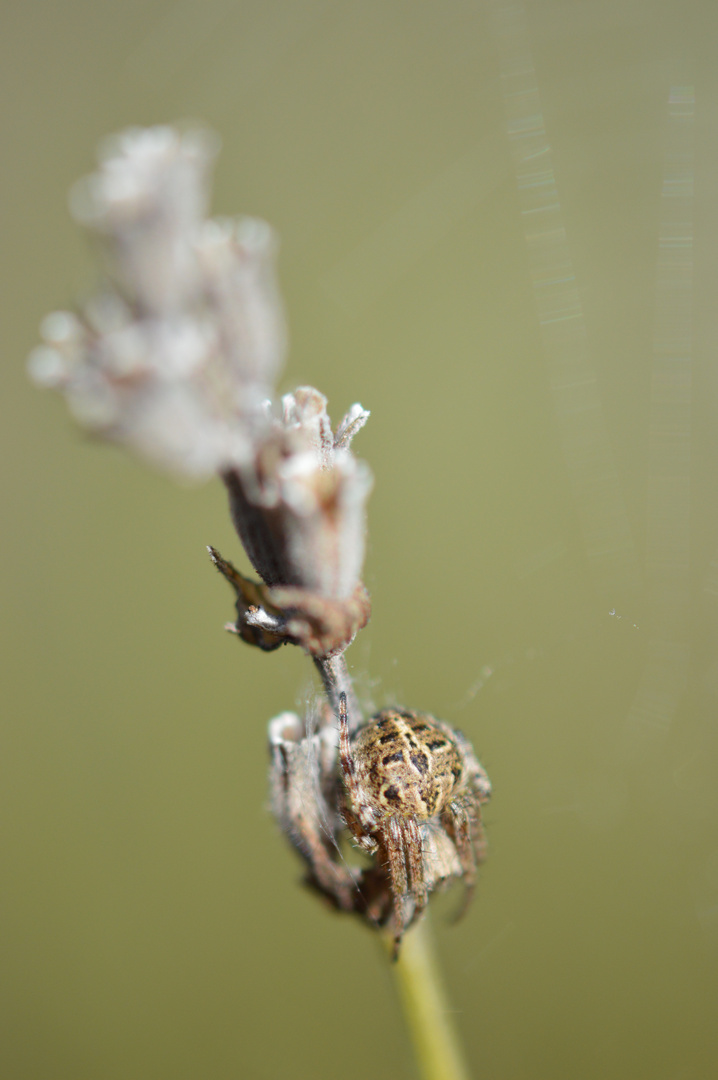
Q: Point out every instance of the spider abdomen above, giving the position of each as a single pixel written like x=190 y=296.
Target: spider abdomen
x=407 y=764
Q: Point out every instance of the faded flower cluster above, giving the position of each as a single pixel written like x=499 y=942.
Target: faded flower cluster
x=177 y=356
x=182 y=343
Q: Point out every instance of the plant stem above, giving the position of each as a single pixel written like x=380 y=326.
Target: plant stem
x=436 y=1042
x=337 y=680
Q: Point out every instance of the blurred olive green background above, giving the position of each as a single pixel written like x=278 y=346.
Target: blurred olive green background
x=152 y=922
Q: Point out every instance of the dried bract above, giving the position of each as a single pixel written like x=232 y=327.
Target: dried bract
x=286 y=615
x=303 y=783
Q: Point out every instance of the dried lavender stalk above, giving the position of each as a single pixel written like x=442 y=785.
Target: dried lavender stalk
x=176 y=357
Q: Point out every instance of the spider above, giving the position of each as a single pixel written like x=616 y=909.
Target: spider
x=413 y=791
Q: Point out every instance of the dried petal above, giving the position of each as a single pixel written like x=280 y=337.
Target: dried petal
x=353 y=422
x=304 y=804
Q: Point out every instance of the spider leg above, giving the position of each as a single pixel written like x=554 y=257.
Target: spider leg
x=393 y=837
x=415 y=859
x=354 y=824
x=361 y=820
x=345 y=753
x=467 y=832
x=346 y=759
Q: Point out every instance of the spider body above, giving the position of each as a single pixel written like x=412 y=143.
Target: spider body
x=407 y=765
x=413 y=793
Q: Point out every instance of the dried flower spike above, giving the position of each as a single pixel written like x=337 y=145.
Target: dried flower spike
x=176 y=357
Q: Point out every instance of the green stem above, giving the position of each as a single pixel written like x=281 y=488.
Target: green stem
x=426 y=1008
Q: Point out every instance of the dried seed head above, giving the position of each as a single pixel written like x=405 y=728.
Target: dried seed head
x=300 y=506
x=299 y=509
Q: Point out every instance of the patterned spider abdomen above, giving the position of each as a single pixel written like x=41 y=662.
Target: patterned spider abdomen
x=408 y=764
